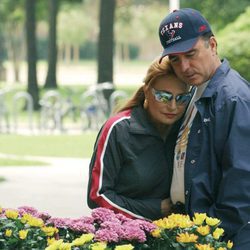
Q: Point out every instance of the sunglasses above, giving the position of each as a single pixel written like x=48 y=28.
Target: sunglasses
x=166 y=97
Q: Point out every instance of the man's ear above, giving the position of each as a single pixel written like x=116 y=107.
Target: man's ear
x=213 y=44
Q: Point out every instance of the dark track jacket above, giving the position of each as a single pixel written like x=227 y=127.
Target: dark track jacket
x=217 y=167
x=131 y=168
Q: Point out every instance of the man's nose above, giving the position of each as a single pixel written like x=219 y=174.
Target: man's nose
x=184 y=64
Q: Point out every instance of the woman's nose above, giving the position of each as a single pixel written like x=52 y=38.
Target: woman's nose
x=172 y=104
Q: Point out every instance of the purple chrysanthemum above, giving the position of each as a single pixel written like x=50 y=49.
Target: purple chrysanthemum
x=102 y=214
x=106 y=235
x=81 y=227
x=58 y=222
x=27 y=210
x=146 y=225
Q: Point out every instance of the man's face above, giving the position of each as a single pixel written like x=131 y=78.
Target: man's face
x=197 y=65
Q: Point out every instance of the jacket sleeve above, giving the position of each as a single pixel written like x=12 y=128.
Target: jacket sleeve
x=233 y=200
x=104 y=172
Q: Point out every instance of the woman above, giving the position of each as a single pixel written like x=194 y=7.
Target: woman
x=131 y=167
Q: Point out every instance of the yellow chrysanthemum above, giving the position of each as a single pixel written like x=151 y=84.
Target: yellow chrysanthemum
x=31 y=220
x=199 y=218
x=98 y=246
x=186 y=237
x=165 y=223
x=212 y=221
x=65 y=246
x=82 y=240
x=55 y=245
x=203 y=230
x=26 y=217
x=173 y=221
x=218 y=233
x=50 y=241
x=35 y=222
x=124 y=247
x=180 y=220
x=1 y=209
x=203 y=247
x=156 y=233
x=221 y=248
x=8 y=232
x=23 y=234
x=230 y=244
x=11 y=214
x=49 y=231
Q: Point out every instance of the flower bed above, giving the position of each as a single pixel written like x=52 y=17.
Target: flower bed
x=26 y=228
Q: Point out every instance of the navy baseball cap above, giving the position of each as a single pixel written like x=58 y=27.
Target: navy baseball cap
x=179 y=31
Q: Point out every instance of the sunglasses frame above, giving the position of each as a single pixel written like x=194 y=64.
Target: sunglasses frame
x=169 y=96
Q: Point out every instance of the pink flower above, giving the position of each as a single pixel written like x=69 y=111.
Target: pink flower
x=133 y=233
x=58 y=222
x=27 y=210
x=84 y=219
x=146 y=225
x=30 y=210
x=106 y=235
x=122 y=218
x=102 y=214
x=81 y=227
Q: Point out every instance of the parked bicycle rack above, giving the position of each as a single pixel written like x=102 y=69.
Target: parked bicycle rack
x=50 y=117
x=4 y=113
x=29 y=108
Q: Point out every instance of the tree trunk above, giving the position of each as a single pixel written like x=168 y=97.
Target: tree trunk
x=31 y=51
x=106 y=41
x=76 y=53
x=51 y=81
x=67 y=54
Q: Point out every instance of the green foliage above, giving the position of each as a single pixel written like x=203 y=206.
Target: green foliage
x=234 y=45
x=219 y=13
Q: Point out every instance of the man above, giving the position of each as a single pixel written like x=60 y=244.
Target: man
x=212 y=155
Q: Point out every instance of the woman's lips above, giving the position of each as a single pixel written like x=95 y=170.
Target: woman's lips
x=170 y=116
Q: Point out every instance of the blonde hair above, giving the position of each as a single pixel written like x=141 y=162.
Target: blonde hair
x=158 y=68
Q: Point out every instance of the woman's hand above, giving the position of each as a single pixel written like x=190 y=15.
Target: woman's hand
x=166 y=206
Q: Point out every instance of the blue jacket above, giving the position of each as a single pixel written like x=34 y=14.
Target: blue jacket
x=217 y=167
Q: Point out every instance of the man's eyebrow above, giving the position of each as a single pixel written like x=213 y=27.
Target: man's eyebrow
x=173 y=55
x=190 y=51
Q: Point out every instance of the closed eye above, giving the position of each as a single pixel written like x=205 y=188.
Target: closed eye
x=173 y=58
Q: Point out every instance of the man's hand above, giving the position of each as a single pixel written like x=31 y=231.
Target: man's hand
x=166 y=206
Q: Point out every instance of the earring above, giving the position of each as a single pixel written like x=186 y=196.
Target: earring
x=145 y=104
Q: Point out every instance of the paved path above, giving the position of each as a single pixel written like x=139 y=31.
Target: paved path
x=59 y=189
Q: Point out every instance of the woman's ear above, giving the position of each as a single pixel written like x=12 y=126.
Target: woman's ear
x=145 y=90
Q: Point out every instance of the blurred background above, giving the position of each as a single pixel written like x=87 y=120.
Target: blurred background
x=66 y=64
x=63 y=59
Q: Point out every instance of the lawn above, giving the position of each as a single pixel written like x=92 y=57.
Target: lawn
x=78 y=146
x=19 y=161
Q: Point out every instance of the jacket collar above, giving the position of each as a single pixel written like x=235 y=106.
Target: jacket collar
x=217 y=79
x=140 y=122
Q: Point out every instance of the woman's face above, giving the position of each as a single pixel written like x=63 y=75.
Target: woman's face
x=167 y=100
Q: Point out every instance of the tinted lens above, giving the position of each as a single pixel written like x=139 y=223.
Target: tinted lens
x=163 y=96
x=183 y=99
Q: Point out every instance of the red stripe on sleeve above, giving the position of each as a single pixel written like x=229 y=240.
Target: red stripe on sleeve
x=97 y=171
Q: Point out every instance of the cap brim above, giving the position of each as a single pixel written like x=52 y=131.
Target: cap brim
x=180 y=47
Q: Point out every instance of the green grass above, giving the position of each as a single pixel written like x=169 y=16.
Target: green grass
x=2 y=179
x=78 y=146
x=6 y=162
